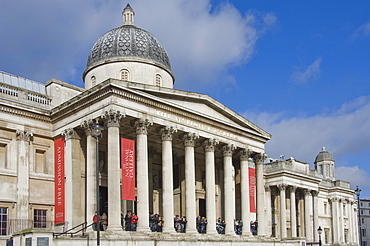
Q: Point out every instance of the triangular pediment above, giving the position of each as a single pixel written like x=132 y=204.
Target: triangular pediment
x=198 y=104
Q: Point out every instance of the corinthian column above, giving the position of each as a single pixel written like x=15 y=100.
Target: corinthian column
x=293 y=212
x=282 y=188
x=227 y=151
x=307 y=214
x=167 y=177
x=90 y=172
x=261 y=217
x=142 y=173
x=244 y=184
x=335 y=216
x=23 y=170
x=315 y=193
x=190 y=200
x=73 y=178
x=209 y=148
x=113 y=120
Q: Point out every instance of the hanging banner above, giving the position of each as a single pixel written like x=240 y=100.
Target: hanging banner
x=128 y=169
x=252 y=189
x=59 y=190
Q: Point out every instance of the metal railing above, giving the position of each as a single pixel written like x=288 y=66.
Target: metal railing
x=83 y=226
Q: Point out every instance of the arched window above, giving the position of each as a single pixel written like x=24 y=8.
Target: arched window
x=93 y=80
x=125 y=75
x=158 y=80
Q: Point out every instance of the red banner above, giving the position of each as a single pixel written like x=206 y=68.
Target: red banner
x=128 y=169
x=252 y=189
x=59 y=191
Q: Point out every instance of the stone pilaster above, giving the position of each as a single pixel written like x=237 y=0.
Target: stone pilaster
x=113 y=120
x=229 y=199
x=23 y=173
x=209 y=148
x=141 y=127
x=268 y=210
x=282 y=187
x=293 y=212
x=167 y=177
x=244 y=183
x=341 y=221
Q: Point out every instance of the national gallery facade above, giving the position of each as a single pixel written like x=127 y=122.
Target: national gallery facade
x=191 y=156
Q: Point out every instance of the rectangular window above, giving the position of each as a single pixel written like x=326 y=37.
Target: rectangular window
x=3 y=221
x=362 y=212
x=364 y=232
x=362 y=220
x=3 y=157
x=39 y=218
x=40 y=161
x=326 y=236
x=325 y=208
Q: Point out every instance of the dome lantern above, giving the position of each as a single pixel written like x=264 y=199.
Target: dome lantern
x=128 y=15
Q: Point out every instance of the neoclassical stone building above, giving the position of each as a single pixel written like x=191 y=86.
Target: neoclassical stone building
x=194 y=156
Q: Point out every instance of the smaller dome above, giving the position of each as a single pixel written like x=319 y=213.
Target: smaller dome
x=324 y=156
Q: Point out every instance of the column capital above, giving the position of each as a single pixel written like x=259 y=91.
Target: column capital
x=306 y=192
x=210 y=144
x=282 y=186
x=259 y=158
x=70 y=133
x=245 y=154
x=292 y=188
x=189 y=139
x=228 y=150
x=334 y=199
x=113 y=117
x=267 y=188
x=24 y=135
x=141 y=126
x=167 y=133
x=86 y=125
x=315 y=192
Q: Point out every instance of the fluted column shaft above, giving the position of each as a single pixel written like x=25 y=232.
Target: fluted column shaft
x=293 y=212
x=229 y=202
x=209 y=148
x=167 y=178
x=260 y=188
x=113 y=120
x=141 y=127
x=190 y=199
x=244 y=182
x=282 y=188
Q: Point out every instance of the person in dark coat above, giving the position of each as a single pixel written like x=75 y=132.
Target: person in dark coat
x=10 y=242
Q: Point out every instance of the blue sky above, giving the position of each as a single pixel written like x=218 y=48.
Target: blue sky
x=298 y=69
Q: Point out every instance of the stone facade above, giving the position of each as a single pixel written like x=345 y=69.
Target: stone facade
x=193 y=157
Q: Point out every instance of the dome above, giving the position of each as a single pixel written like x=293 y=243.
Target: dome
x=128 y=43
x=324 y=156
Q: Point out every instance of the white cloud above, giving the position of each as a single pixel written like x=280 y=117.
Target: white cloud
x=355 y=175
x=47 y=39
x=344 y=132
x=309 y=73
x=362 y=31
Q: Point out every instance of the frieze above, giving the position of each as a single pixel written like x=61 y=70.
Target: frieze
x=192 y=123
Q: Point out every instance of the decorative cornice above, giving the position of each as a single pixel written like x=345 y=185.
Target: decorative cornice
x=24 y=113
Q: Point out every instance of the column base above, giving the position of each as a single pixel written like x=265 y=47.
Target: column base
x=191 y=231
x=212 y=232
x=143 y=229
x=114 y=228
x=168 y=230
